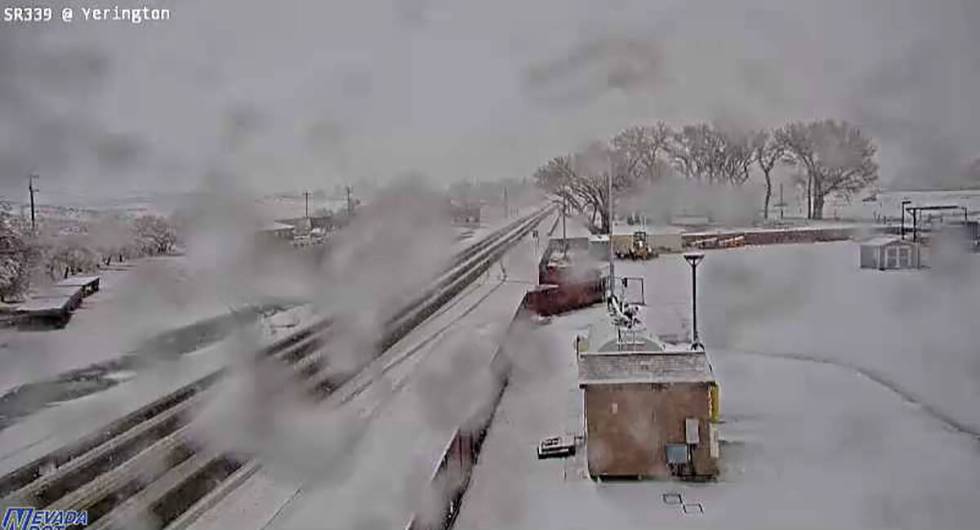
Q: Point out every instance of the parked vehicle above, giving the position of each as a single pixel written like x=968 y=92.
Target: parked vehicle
x=556 y=446
x=637 y=248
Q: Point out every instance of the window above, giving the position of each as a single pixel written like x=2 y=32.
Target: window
x=891 y=257
x=905 y=257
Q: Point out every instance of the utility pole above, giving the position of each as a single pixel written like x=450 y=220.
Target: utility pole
x=350 y=204
x=32 y=189
x=902 y=229
x=506 y=204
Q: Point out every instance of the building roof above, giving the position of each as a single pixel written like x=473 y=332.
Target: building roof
x=58 y=291
x=44 y=305
x=76 y=281
x=604 y=337
x=653 y=230
x=276 y=226
x=625 y=368
x=881 y=241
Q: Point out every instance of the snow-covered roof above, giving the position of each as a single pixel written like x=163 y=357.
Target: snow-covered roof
x=76 y=281
x=881 y=241
x=276 y=226
x=621 y=229
x=45 y=304
x=604 y=337
x=634 y=367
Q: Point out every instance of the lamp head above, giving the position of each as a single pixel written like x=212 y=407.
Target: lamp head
x=694 y=258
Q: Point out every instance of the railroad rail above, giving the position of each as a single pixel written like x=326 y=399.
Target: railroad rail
x=147 y=464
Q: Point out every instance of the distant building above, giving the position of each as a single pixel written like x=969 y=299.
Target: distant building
x=889 y=252
x=690 y=220
x=465 y=212
x=277 y=231
x=649 y=412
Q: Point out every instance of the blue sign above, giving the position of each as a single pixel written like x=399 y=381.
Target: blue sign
x=27 y=518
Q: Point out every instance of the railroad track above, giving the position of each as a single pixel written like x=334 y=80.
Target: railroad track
x=147 y=463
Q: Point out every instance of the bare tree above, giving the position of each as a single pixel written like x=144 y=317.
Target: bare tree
x=582 y=179
x=706 y=153
x=154 y=234
x=735 y=157
x=556 y=177
x=694 y=151
x=18 y=256
x=837 y=156
x=645 y=146
x=767 y=151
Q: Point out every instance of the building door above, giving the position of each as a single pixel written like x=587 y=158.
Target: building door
x=905 y=257
x=891 y=257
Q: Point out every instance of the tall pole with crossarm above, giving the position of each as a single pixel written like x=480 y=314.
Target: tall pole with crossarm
x=693 y=258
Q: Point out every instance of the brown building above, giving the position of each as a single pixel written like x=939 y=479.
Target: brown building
x=648 y=412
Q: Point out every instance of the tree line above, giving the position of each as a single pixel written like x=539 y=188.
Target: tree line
x=830 y=158
x=52 y=252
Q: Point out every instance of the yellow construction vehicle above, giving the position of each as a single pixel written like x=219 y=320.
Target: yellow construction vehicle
x=634 y=247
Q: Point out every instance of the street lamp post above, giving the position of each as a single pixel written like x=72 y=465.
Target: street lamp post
x=564 y=213
x=693 y=258
x=902 y=232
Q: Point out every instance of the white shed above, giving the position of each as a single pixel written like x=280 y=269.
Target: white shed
x=889 y=252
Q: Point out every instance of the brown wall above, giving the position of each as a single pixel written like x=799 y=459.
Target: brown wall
x=630 y=441
x=772 y=237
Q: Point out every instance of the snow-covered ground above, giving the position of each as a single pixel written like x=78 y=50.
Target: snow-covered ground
x=57 y=425
x=889 y=204
x=806 y=443
x=137 y=300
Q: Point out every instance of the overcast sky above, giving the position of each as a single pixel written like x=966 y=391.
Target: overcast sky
x=289 y=94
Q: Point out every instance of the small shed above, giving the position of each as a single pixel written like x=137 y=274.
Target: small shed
x=88 y=284
x=889 y=252
x=649 y=411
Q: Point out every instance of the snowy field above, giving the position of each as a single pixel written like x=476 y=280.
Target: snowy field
x=61 y=423
x=860 y=425
x=137 y=300
x=886 y=204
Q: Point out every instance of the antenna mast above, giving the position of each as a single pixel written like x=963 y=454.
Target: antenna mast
x=609 y=212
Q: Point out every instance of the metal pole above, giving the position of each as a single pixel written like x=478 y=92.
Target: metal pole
x=903 y=217
x=694 y=304
x=693 y=259
x=30 y=187
x=915 y=225
x=564 y=234
x=609 y=212
x=902 y=229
